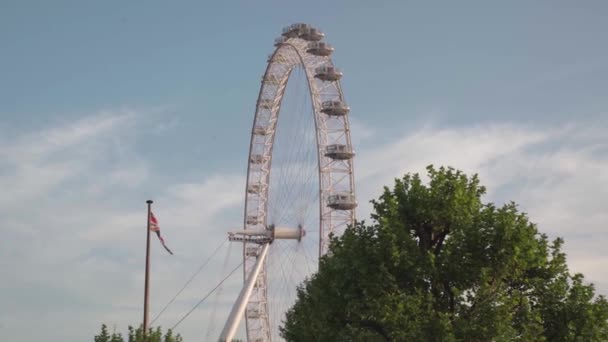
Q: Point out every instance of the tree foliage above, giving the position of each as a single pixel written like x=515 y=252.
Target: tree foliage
x=137 y=335
x=438 y=264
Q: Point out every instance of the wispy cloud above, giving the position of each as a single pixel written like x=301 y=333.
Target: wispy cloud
x=34 y=164
x=72 y=214
x=72 y=218
x=559 y=175
x=37 y=146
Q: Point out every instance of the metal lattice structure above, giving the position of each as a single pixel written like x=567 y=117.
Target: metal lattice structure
x=300 y=46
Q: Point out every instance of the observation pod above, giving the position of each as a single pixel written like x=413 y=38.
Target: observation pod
x=339 y=152
x=300 y=26
x=258 y=159
x=311 y=34
x=272 y=79
x=266 y=103
x=328 y=73
x=342 y=201
x=293 y=30
x=289 y=32
x=322 y=49
x=335 y=108
x=252 y=220
x=279 y=41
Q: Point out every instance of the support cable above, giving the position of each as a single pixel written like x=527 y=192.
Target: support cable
x=210 y=326
x=189 y=280
x=207 y=295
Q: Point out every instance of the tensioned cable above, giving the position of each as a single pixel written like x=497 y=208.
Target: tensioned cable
x=303 y=152
x=207 y=295
x=211 y=325
x=294 y=187
x=189 y=280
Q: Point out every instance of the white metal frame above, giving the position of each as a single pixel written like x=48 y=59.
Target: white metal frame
x=335 y=175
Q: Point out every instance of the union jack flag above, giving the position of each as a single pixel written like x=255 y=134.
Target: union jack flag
x=155 y=228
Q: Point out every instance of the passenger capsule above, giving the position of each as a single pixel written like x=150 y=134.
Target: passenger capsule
x=292 y=31
x=320 y=49
x=342 y=201
x=280 y=41
x=311 y=34
x=335 y=108
x=339 y=152
x=300 y=27
x=289 y=32
x=328 y=73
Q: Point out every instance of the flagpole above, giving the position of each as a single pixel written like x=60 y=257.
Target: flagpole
x=147 y=281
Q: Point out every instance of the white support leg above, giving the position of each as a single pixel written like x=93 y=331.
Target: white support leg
x=238 y=310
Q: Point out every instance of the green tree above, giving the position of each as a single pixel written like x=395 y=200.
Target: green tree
x=438 y=264
x=137 y=335
x=103 y=336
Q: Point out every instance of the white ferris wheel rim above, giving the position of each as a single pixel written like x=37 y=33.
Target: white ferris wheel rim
x=335 y=170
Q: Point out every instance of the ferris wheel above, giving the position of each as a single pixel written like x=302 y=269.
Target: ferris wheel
x=300 y=183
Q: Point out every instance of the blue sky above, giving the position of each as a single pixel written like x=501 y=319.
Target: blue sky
x=106 y=104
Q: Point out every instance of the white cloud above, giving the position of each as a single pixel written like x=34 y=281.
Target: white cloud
x=359 y=131
x=37 y=146
x=73 y=220
x=72 y=212
x=34 y=164
x=471 y=149
x=559 y=175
